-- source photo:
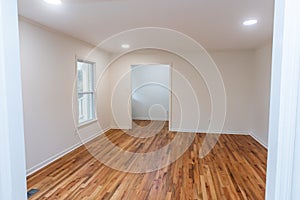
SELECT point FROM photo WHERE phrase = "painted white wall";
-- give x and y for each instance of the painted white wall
(236, 68)
(150, 92)
(183, 116)
(48, 74)
(247, 76)
(12, 150)
(261, 101)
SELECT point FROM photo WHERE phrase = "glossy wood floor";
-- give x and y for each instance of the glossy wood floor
(234, 169)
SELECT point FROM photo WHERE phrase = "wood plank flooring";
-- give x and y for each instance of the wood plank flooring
(234, 169)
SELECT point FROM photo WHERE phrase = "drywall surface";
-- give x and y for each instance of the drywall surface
(237, 69)
(185, 109)
(150, 86)
(48, 72)
(189, 91)
(262, 81)
(247, 76)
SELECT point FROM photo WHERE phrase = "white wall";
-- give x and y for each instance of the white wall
(48, 74)
(150, 92)
(236, 68)
(247, 77)
(184, 116)
(261, 102)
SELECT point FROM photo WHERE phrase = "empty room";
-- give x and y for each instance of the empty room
(140, 99)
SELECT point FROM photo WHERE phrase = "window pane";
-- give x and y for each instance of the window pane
(85, 107)
(85, 91)
(85, 77)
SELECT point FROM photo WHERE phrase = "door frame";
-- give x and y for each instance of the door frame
(284, 105)
(12, 145)
(170, 87)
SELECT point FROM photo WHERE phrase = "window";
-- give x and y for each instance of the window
(85, 91)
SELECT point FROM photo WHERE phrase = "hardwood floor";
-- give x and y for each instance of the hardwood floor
(234, 169)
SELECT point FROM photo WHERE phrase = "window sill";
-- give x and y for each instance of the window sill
(86, 123)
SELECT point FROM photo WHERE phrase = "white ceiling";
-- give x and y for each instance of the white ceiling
(216, 24)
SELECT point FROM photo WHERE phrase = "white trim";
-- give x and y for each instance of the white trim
(284, 96)
(12, 148)
(51, 159)
(87, 123)
(94, 67)
(63, 153)
(170, 66)
(121, 127)
(258, 140)
(152, 119)
(231, 132)
(227, 132)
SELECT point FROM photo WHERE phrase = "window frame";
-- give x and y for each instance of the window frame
(93, 92)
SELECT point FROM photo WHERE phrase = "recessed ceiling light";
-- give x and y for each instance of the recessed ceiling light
(250, 22)
(53, 2)
(125, 46)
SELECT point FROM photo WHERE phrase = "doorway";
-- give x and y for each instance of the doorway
(150, 92)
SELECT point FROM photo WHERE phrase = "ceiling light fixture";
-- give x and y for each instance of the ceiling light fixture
(250, 22)
(53, 2)
(125, 46)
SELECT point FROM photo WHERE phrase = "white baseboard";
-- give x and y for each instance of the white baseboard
(229, 132)
(258, 140)
(121, 128)
(64, 152)
(152, 119)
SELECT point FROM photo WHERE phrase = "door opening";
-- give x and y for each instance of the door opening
(150, 92)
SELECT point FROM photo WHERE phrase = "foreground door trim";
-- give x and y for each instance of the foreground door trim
(284, 104)
(12, 150)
